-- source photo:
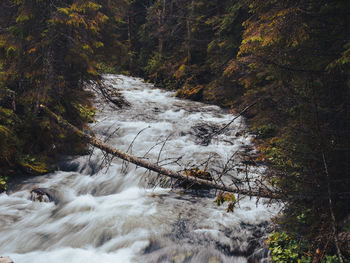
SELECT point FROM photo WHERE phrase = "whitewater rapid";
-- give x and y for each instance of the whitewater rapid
(120, 213)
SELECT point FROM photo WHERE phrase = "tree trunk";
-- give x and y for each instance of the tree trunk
(189, 30)
(161, 27)
(188, 25)
(130, 41)
(154, 167)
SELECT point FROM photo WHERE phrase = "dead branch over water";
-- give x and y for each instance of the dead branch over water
(258, 192)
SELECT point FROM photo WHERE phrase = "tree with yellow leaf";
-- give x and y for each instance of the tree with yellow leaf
(294, 56)
(48, 51)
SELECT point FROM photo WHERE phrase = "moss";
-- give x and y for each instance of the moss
(191, 92)
(35, 167)
(3, 183)
(181, 257)
(180, 72)
(285, 248)
(265, 131)
(202, 174)
(226, 198)
(86, 112)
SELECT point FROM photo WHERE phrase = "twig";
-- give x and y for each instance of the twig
(152, 166)
(235, 118)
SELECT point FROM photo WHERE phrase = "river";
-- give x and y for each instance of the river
(120, 213)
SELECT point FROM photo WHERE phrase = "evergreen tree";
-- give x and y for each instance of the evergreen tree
(295, 63)
(48, 51)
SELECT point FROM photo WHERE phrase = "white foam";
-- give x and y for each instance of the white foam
(108, 215)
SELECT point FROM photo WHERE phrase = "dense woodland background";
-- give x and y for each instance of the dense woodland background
(291, 59)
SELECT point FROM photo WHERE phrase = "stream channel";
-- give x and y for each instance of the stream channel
(120, 213)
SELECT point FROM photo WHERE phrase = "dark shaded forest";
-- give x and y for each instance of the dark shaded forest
(289, 59)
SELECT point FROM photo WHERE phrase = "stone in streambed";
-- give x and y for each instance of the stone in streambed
(262, 255)
(5, 260)
(43, 195)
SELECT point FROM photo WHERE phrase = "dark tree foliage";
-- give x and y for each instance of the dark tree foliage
(296, 63)
(186, 44)
(48, 51)
(292, 58)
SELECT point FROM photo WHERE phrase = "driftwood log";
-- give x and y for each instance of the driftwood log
(154, 167)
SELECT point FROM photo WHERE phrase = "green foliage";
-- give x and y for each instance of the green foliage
(330, 259)
(300, 120)
(154, 64)
(183, 43)
(3, 183)
(49, 65)
(291, 57)
(265, 131)
(106, 69)
(346, 227)
(32, 165)
(190, 92)
(86, 113)
(199, 173)
(9, 141)
(226, 197)
(284, 249)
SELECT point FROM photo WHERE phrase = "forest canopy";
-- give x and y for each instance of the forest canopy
(291, 59)
(48, 51)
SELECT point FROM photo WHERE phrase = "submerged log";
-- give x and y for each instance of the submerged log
(183, 176)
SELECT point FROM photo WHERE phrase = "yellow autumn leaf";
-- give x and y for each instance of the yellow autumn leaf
(31, 50)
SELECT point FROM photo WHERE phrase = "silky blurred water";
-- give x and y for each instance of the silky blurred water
(115, 213)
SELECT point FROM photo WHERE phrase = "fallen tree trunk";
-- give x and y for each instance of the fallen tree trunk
(154, 167)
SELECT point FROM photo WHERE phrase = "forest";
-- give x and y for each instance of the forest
(287, 61)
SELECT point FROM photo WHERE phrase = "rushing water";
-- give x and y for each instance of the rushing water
(113, 214)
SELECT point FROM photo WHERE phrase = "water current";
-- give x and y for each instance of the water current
(119, 213)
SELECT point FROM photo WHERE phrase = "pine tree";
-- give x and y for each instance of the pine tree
(294, 57)
(49, 50)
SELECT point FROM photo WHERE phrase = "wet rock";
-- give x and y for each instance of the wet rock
(182, 229)
(112, 95)
(257, 250)
(90, 168)
(5, 260)
(214, 260)
(204, 133)
(43, 195)
(262, 255)
(153, 246)
(238, 134)
(181, 257)
(68, 165)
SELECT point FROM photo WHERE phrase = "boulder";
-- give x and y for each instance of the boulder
(5, 260)
(43, 195)
(262, 255)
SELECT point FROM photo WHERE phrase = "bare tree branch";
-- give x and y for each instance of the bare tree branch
(152, 166)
